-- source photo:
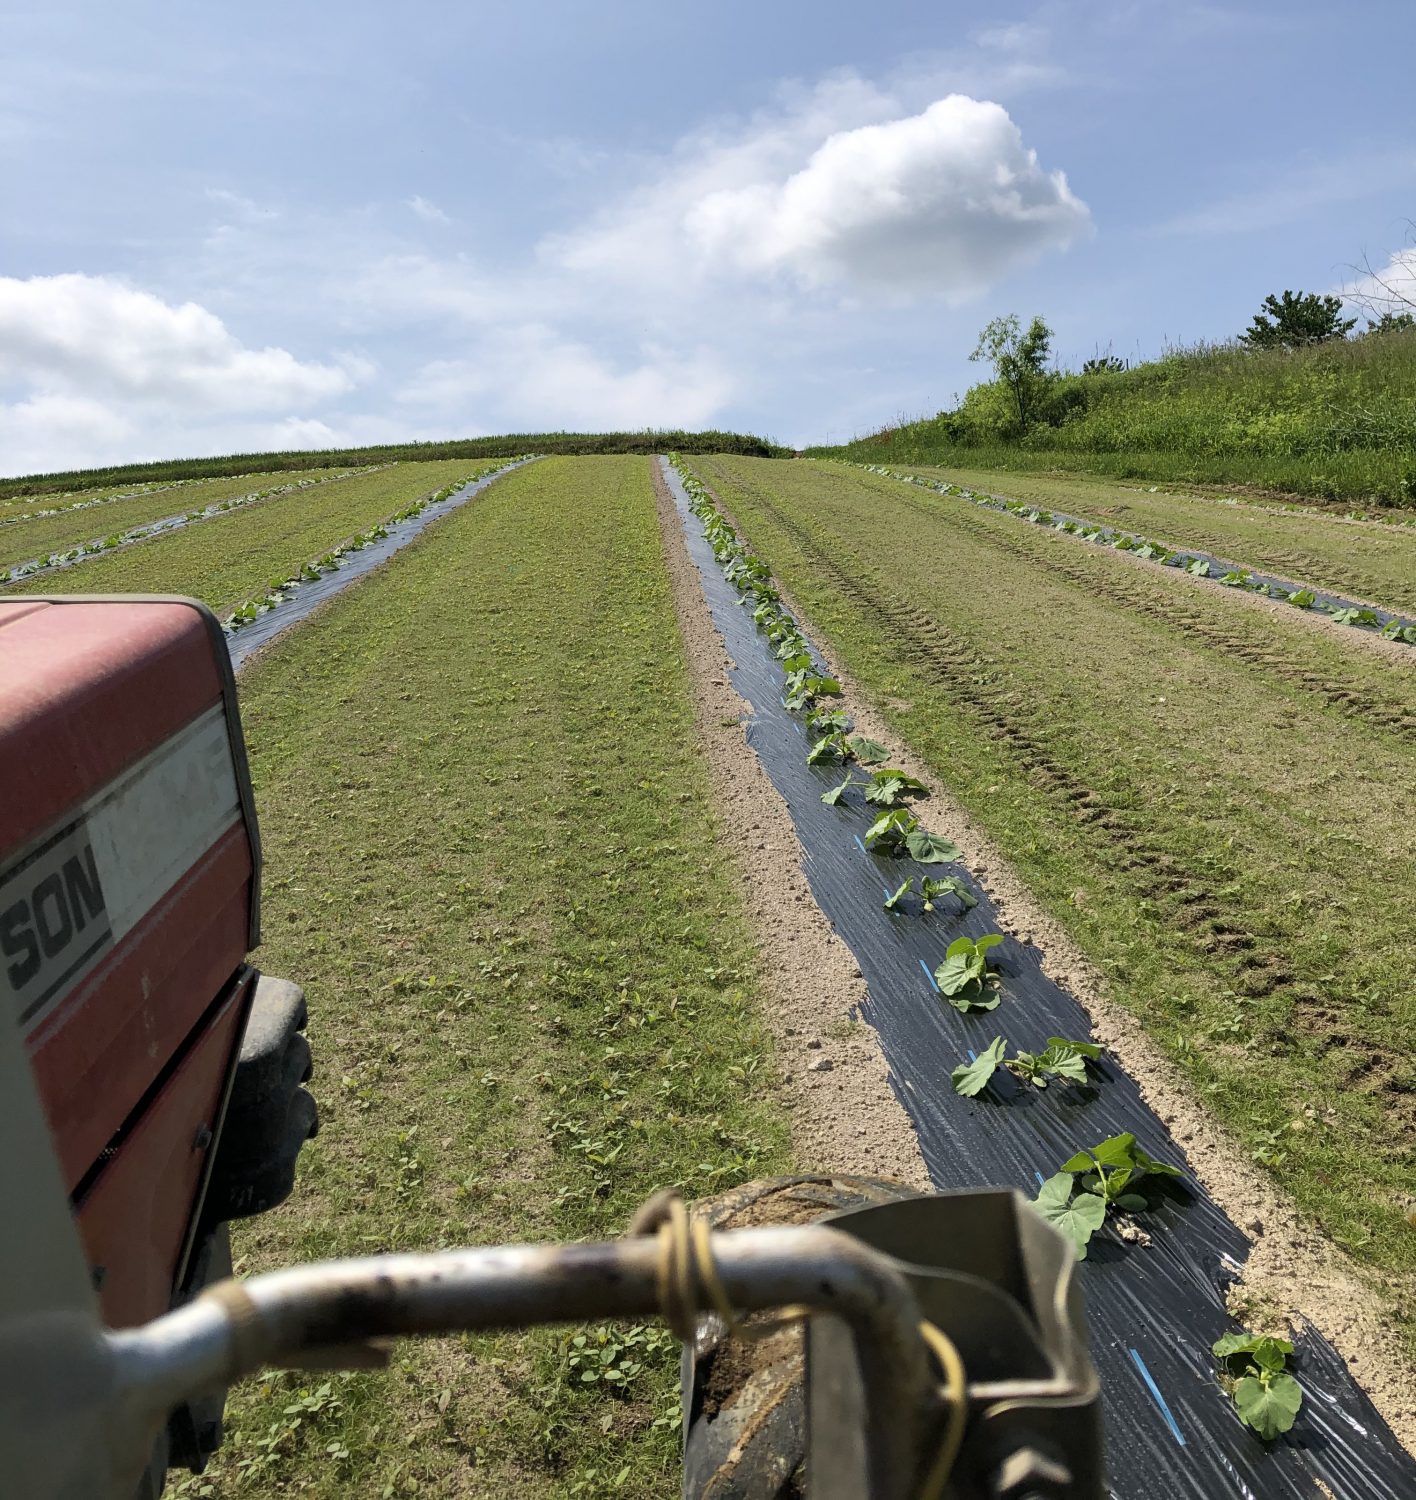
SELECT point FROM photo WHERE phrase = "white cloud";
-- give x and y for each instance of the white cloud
(92, 335)
(1388, 288)
(843, 190)
(940, 203)
(94, 367)
(426, 210)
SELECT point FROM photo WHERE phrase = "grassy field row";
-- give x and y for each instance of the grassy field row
(1231, 847)
(1362, 560)
(490, 860)
(231, 558)
(39, 536)
(1376, 690)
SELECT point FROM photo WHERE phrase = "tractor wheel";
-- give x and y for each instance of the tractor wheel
(744, 1403)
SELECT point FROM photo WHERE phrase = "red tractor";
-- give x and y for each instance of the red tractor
(153, 1090)
(171, 1072)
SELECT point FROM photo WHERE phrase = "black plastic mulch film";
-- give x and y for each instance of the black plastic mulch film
(1153, 1312)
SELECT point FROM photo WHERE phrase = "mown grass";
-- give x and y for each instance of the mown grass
(491, 861)
(1230, 846)
(1332, 420)
(38, 536)
(230, 558)
(1365, 560)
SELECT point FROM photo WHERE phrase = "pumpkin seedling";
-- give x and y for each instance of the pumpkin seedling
(1254, 1369)
(965, 978)
(1077, 1198)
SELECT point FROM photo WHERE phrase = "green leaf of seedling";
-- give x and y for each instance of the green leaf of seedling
(1064, 1063)
(867, 751)
(828, 747)
(1085, 1049)
(890, 830)
(930, 849)
(1131, 1203)
(887, 787)
(1114, 1151)
(1077, 1215)
(946, 885)
(1264, 1349)
(971, 1078)
(883, 790)
(1268, 1404)
(801, 662)
(1028, 1066)
(892, 902)
(832, 797)
(975, 997)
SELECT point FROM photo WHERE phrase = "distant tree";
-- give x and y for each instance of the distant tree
(1019, 359)
(1297, 319)
(1103, 364)
(1390, 322)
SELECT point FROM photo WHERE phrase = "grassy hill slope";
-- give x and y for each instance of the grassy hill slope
(1333, 421)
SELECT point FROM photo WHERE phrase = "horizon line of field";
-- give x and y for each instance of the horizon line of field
(1185, 560)
(913, 1048)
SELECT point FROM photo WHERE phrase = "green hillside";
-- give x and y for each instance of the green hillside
(1336, 420)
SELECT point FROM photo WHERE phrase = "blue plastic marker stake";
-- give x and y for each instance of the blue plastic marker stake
(1160, 1400)
(861, 847)
(1039, 1177)
(929, 975)
(888, 891)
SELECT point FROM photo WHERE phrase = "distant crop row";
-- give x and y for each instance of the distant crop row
(1389, 627)
(1108, 1182)
(99, 545)
(331, 561)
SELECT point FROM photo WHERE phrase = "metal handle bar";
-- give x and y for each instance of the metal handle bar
(237, 1327)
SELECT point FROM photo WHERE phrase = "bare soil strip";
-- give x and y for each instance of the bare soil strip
(845, 1116)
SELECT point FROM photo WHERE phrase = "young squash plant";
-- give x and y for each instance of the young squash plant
(965, 978)
(1103, 1179)
(897, 832)
(1254, 1369)
(1061, 1058)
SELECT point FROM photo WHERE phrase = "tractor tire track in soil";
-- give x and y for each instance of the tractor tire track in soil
(1206, 623)
(1152, 1309)
(1182, 896)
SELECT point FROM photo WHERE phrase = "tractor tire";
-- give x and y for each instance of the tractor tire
(744, 1400)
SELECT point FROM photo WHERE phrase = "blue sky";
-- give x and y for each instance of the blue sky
(309, 224)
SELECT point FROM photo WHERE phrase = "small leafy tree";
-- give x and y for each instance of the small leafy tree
(1018, 358)
(1297, 319)
(1103, 364)
(1390, 322)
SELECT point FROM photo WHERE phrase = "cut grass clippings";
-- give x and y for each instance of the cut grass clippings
(491, 860)
(1228, 844)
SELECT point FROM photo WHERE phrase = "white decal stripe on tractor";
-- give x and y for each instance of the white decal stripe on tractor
(153, 824)
(81, 888)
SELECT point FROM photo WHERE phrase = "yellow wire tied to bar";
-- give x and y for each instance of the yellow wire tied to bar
(686, 1269)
